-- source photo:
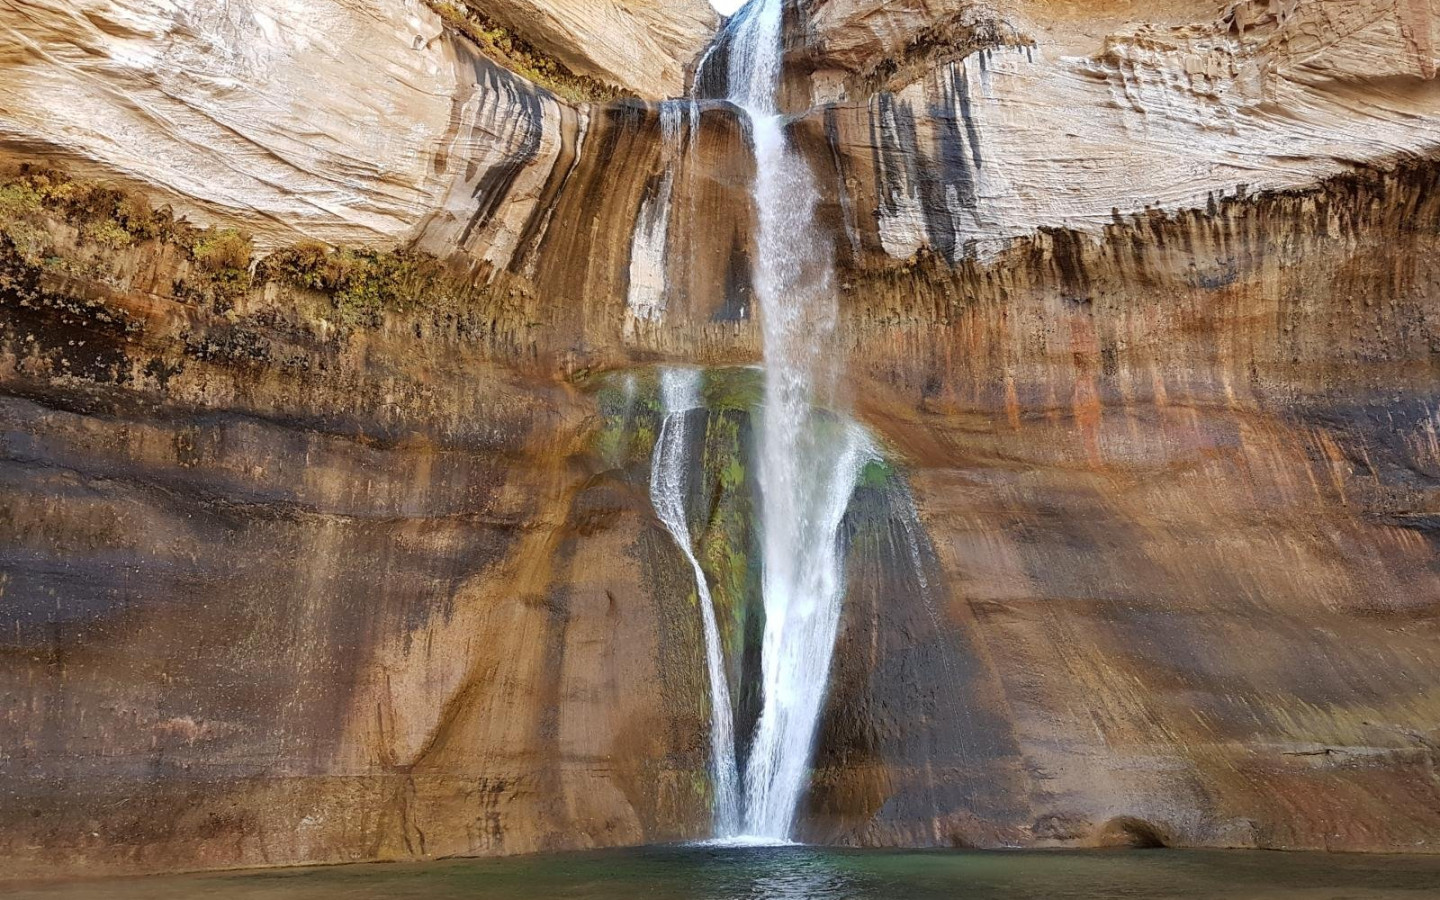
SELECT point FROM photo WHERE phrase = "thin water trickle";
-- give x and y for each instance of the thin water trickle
(679, 394)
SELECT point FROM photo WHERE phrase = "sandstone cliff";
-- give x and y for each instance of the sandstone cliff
(341, 120)
(346, 554)
(644, 46)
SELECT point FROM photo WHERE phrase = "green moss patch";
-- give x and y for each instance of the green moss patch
(876, 475)
(737, 388)
(629, 406)
(38, 202)
(362, 284)
(39, 206)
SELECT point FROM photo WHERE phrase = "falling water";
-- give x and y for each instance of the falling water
(804, 497)
(809, 459)
(680, 393)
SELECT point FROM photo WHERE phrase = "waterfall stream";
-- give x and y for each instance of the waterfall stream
(808, 462)
(808, 458)
(679, 394)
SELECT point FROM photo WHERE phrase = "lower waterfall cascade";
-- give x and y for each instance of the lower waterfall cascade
(679, 394)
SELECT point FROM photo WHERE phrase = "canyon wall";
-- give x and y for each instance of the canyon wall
(317, 554)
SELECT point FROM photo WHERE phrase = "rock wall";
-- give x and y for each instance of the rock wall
(343, 120)
(287, 585)
(1179, 498)
(643, 46)
(347, 554)
(988, 145)
(322, 119)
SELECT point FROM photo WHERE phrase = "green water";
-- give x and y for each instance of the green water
(701, 873)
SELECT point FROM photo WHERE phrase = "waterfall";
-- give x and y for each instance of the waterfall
(808, 459)
(755, 59)
(679, 394)
(804, 497)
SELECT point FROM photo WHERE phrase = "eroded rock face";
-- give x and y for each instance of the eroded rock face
(1177, 493)
(345, 121)
(298, 574)
(318, 592)
(318, 118)
(641, 45)
(996, 143)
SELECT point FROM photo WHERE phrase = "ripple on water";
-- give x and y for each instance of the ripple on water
(779, 872)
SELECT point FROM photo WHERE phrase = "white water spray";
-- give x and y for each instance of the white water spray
(680, 393)
(804, 499)
(809, 459)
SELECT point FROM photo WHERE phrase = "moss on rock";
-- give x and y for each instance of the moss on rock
(362, 284)
(507, 49)
(77, 227)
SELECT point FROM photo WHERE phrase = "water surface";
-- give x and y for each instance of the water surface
(792, 873)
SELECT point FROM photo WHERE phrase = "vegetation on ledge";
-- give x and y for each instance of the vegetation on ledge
(39, 206)
(32, 196)
(506, 49)
(362, 284)
(53, 223)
